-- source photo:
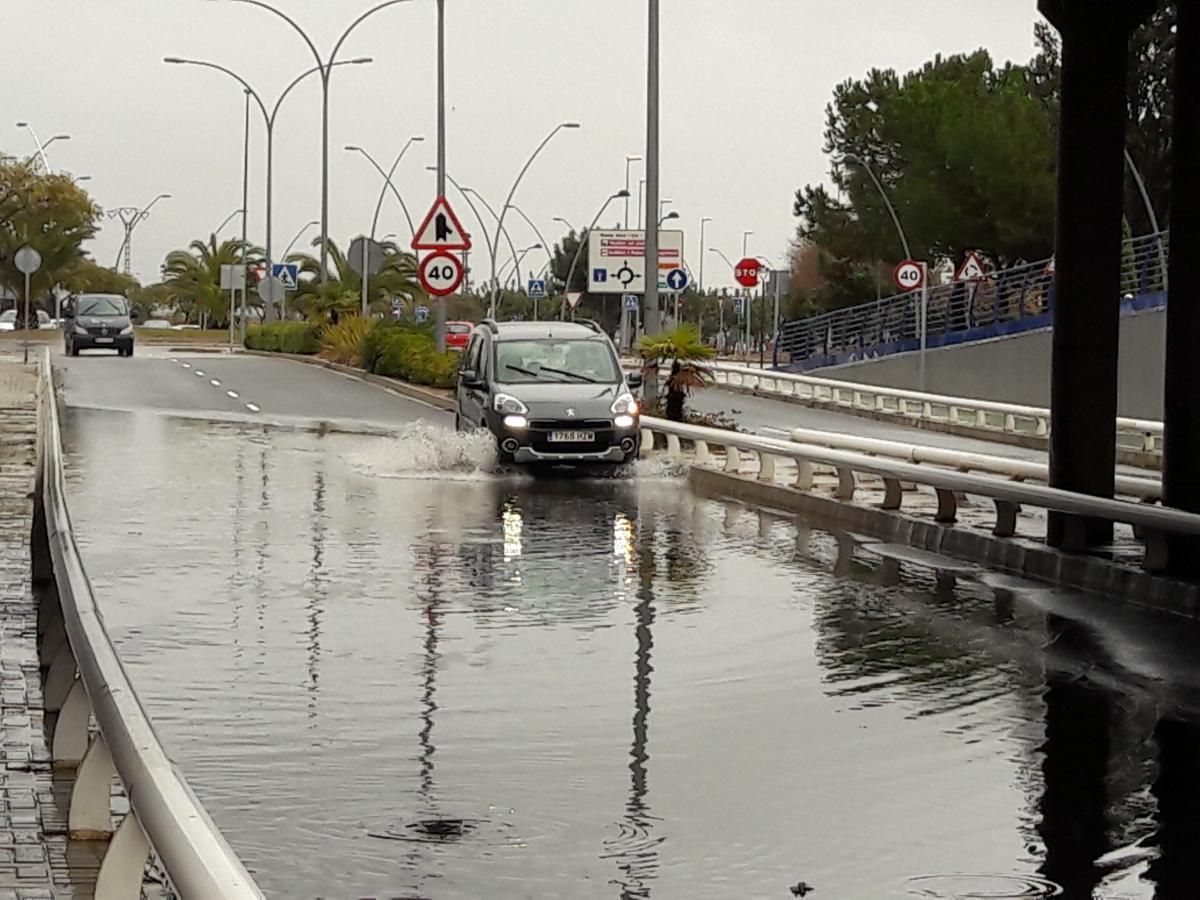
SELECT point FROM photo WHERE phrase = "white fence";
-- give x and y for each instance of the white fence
(1007, 496)
(86, 682)
(981, 415)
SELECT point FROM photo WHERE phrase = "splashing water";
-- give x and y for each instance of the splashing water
(421, 449)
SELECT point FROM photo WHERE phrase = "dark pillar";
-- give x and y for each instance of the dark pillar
(1181, 405)
(1075, 755)
(1176, 872)
(1091, 178)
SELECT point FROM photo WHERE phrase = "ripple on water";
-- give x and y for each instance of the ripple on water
(982, 887)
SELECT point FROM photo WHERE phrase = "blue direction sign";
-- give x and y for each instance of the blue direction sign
(631, 302)
(677, 280)
(422, 314)
(537, 288)
(738, 303)
(288, 274)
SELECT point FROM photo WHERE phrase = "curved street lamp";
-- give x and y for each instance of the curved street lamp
(229, 218)
(388, 183)
(528, 221)
(516, 272)
(299, 234)
(41, 147)
(512, 193)
(671, 215)
(269, 118)
(325, 67)
(500, 229)
(856, 160)
(570, 227)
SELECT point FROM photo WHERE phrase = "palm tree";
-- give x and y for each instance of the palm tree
(194, 277)
(341, 294)
(684, 349)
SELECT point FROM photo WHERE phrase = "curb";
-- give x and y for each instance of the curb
(1025, 558)
(440, 399)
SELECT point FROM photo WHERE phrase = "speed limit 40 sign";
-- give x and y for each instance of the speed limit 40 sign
(909, 275)
(441, 273)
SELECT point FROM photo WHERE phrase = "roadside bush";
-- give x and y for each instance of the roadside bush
(284, 337)
(345, 342)
(411, 356)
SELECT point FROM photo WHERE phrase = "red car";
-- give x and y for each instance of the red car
(458, 335)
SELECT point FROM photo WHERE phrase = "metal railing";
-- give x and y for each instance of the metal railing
(1007, 301)
(984, 416)
(1151, 523)
(87, 682)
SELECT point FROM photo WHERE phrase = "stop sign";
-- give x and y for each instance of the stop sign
(746, 272)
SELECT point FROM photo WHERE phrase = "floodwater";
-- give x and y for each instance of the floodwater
(391, 672)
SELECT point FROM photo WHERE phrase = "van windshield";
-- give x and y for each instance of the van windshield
(583, 361)
(100, 306)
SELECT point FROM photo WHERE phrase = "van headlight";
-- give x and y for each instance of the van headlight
(128, 329)
(625, 405)
(624, 421)
(509, 405)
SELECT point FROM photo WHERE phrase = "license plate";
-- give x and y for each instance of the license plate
(572, 437)
(104, 340)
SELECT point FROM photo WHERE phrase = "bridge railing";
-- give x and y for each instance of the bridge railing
(984, 416)
(1006, 301)
(86, 682)
(1007, 495)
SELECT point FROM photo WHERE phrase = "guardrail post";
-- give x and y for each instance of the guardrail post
(766, 467)
(124, 865)
(701, 451)
(674, 451)
(647, 443)
(1010, 423)
(1006, 518)
(70, 742)
(893, 494)
(846, 484)
(804, 475)
(90, 816)
(733, 462)
(59, 678)
(947, 511)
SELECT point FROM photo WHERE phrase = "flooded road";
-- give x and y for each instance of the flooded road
(389, 672)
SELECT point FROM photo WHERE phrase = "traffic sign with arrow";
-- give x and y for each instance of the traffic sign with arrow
(441, 230)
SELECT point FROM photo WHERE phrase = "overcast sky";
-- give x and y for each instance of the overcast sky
(744, 88)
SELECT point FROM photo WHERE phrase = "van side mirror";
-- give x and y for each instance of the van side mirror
(634, 380)
(468, 378)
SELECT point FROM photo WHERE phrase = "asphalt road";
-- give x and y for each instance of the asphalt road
(217, 385)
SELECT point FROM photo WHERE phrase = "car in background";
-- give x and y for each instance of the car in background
(98, 322)
(156, 323)
(458, 335)
(550, 392)
(8, 320)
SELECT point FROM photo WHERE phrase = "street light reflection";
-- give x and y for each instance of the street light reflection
(623, 535)
(514, 528)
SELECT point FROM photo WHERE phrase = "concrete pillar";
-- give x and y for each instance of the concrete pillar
(1091, 172)
(1181, 376)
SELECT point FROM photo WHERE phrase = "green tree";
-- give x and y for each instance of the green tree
(686, 353)
(341, 294)
(194, 278)
(965, 152)
(49, 213)
(86, 276)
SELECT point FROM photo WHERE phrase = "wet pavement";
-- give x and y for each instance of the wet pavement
(389, 672)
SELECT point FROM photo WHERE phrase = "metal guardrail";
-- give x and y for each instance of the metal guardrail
(87, 681)
(1004, 302)
(1150, 522)
(982, 415)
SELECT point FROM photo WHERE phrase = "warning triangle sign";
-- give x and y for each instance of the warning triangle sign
(441, 230)
(573, 298)
(971, 269)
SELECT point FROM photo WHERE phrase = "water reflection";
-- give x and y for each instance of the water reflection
(316, 599)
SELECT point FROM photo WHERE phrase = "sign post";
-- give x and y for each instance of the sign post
(366, 257)
(27, 261)
(442, 233)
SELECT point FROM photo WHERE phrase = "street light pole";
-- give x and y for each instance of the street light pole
(579, 249)
(474, 209)
(229, 218)
(508, 201)
(629, 159)
(299, 234)
(653, 325)
(388, 183)
(499, 229)
(41, 147)
(245, 222)
(1141, 186)
(857, 160)
(269, 118)
(703, 221)
(528, 221)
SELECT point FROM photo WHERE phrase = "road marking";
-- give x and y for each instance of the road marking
(215, 383)
(199, 374)
(233, 394)
(252, 407)
(174, 360)
(187, 365)
(776, 430)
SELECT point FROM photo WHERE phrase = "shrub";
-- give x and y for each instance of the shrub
(345, 342)
(411, 356)
(284, 337)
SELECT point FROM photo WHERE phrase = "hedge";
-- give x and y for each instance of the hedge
(284, 337)
(391, 349)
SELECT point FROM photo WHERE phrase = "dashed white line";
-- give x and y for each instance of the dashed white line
(215, 383)
(776, 430)
(186, 365)
(233, 394)
(252, 407)
(199, 374)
